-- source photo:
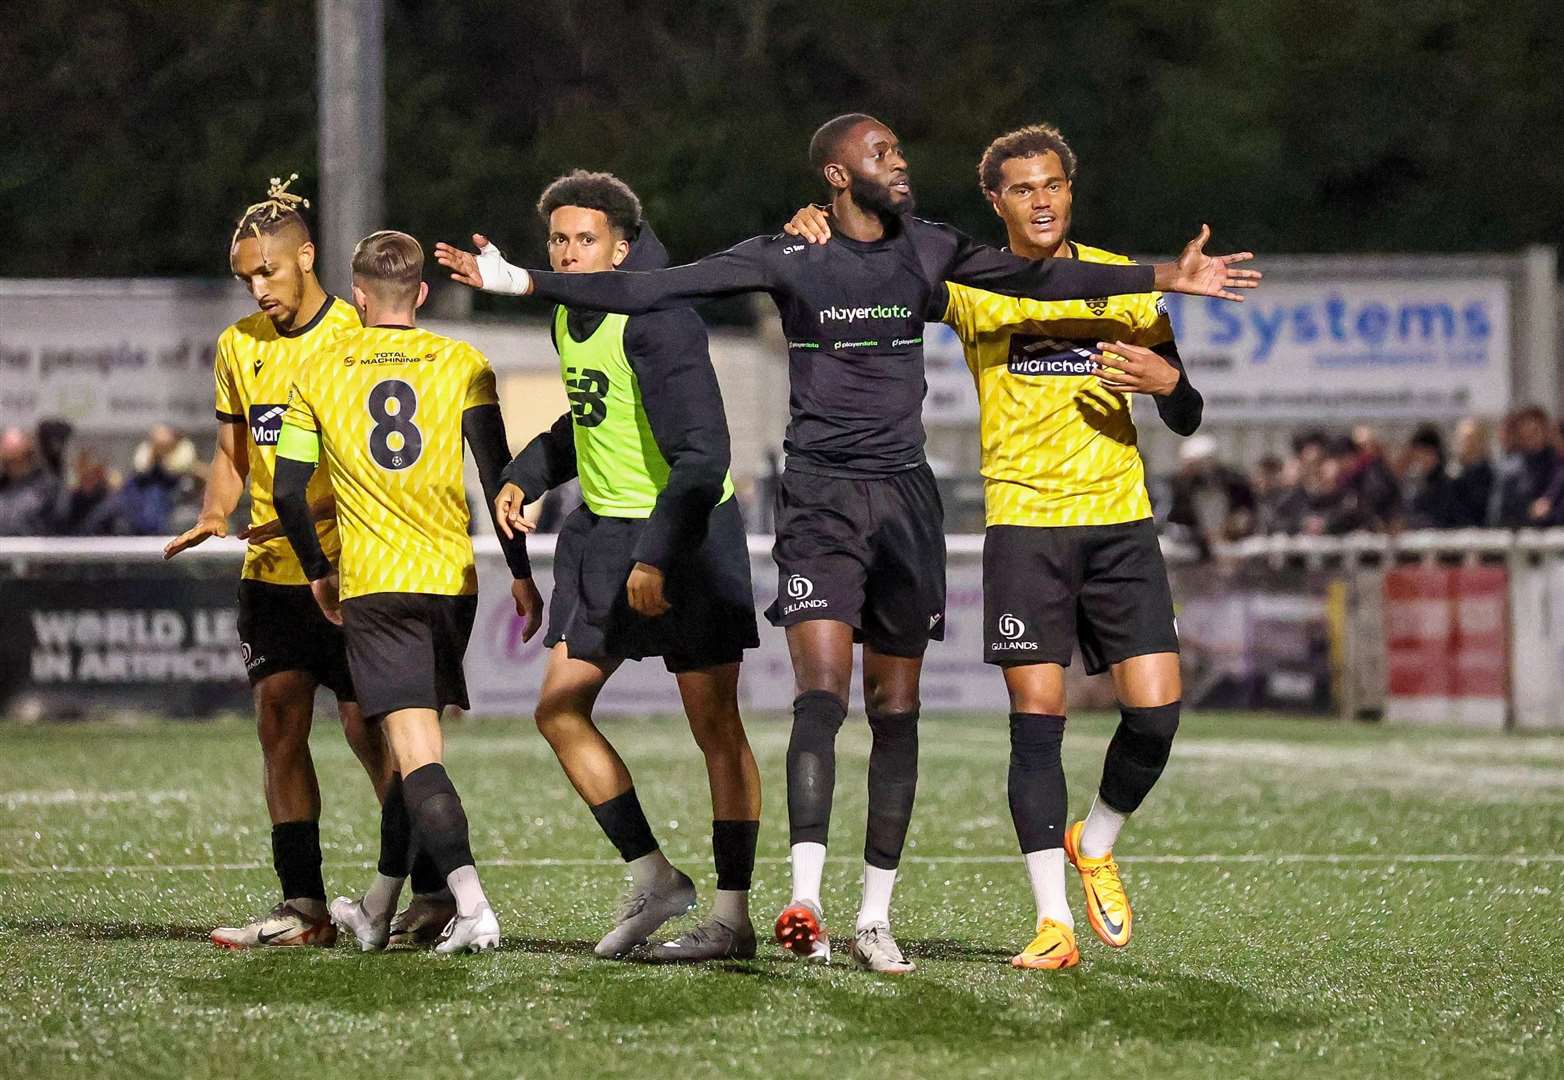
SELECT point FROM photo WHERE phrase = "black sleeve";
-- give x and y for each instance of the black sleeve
(740, 269)
(1182, 409)
(290, 481)
(546, 462)
(959, 258)
(484, 429)
(683, 404)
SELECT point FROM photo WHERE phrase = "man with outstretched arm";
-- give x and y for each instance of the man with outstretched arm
(653, 563)
(860, 546)
(1071, 552)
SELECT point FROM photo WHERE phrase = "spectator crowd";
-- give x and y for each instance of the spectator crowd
(1329, 484)
(47, 488)
(1332, 484)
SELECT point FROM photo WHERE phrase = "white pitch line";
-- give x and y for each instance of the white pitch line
(1250, 859)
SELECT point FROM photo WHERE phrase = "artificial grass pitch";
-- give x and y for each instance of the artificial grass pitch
(1311, 900)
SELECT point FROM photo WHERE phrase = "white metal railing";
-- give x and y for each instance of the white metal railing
(79, 549)
(1422, 544)
(1353, 547)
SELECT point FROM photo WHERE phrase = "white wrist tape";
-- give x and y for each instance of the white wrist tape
(500, 276)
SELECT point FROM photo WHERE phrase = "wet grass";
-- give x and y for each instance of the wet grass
(111, 837)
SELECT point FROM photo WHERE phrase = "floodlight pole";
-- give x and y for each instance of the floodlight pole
(351, 60)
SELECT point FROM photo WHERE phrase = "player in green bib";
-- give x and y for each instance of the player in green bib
(654, 563)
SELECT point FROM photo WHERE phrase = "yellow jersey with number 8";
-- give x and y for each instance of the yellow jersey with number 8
(388, 403)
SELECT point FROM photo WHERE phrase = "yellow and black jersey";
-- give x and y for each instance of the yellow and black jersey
(256, 364)
(1058, 448)
(387, 403)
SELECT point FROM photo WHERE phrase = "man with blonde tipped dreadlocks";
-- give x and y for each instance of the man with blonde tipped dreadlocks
(288, 646)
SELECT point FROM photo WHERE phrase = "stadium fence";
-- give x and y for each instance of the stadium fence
(1449, 627)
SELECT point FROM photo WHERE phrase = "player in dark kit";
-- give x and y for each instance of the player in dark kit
(1071, 552)
(653, 563)
(860, 544)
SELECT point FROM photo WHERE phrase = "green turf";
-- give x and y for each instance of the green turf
(1363, 968)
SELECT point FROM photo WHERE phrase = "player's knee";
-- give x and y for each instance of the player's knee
(1035, 741)
(282, 723)
(822, 674)
(438, 816)
(817, 717)
(1037, 697)
(559, 716)
(889, 699)
(1137, 755)
(1151, 728)
(721, 735)
(895, 741)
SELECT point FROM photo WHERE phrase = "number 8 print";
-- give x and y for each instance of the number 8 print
(395, 442)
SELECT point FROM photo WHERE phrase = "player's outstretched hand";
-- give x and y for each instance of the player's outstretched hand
(529, 606)
(204, 528)
(486, 270)
(463, 265)
(1134, 369)
(812, 222)
(645, 590)
(1200, 274)
(507, 511)
(328, 595)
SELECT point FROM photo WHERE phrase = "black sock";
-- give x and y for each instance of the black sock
(811, 764)
(1037, 794)
(296, 858)
(426, 876)
(439, 822)
(624, 823)
(733, 850)
(893, 784)
(396, 830)
(1137, 755)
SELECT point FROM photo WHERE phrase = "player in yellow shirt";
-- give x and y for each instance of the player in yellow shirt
(1071, 551)
(389, 405)
(288, 647)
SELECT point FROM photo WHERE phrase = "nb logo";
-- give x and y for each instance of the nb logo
(799, 587)
(586, 388)
(1010, 627)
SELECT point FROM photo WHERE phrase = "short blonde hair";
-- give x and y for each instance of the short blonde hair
(389, 264)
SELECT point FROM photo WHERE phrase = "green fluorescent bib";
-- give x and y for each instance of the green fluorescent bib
(620, 468)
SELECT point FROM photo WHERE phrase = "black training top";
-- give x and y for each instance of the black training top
(853, 313)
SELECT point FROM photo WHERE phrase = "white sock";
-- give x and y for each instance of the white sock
(1101, 830)
(463, 882)
(308, 906)
(877, 887)
(650, 869)
(808, 868)
(731, 908)
(380, 899)
(1046, 871)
